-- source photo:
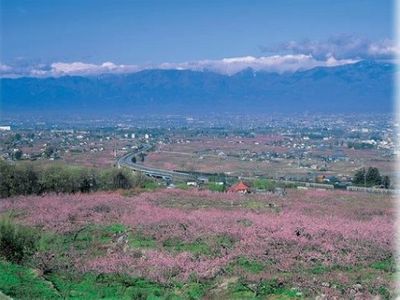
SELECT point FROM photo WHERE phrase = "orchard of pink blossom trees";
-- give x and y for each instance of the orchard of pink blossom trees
(174, 235)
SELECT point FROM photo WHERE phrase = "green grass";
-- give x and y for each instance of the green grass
(210, 246)
(138, 240)
(93, 236)
(262, 290)
(321, 269)
(22, 283)
(151, 186)
(365, 275)
(240, 290)
(272, 287)
(384, 292)
(246, 264)
(115, 228)
(191, 290)
(198, 247)
(387, 265)
(90, 238)
(108, 286)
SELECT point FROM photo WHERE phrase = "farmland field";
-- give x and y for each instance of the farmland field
(249, 156)
(191, 244)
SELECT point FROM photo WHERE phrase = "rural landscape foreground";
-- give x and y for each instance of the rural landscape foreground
(190, 150)
(255, 208)
(177, 244)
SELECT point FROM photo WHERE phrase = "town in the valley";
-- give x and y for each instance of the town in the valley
(322, 151)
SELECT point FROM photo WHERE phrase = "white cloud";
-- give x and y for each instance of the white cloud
(5, 68)
(6, 71)
(275, 63)
(228, 66)
(384, 49)
(341, 47)
(80, 68)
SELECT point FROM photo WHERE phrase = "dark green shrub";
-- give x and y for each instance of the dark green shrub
(17, 242)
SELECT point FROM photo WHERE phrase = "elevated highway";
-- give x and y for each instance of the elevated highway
(126, 161)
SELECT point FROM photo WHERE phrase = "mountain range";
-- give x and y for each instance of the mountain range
(366, 86)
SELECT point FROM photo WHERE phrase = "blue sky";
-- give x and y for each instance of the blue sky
(158, 31)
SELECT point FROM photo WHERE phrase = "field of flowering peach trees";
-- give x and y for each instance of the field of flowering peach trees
(194, 244)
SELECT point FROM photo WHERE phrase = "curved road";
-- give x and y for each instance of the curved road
(126, 161)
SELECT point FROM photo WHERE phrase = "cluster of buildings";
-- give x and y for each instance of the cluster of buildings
(323, 149)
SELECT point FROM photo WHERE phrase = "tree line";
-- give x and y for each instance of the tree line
(30, 179)
(371, 177)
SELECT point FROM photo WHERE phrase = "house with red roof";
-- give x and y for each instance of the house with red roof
(239, 187)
